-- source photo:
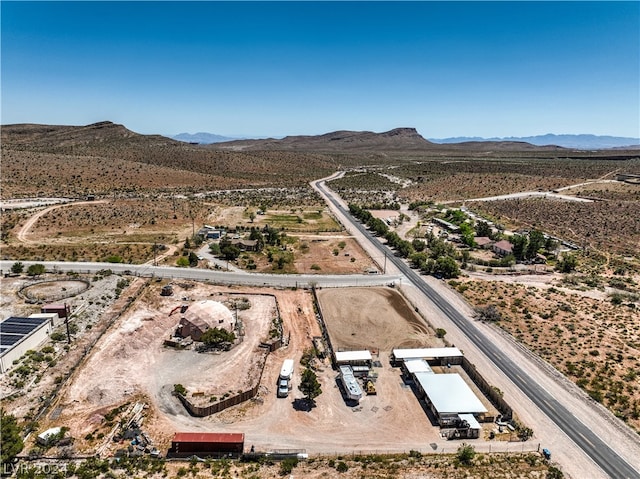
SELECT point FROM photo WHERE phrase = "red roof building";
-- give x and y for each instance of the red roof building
(203, 444)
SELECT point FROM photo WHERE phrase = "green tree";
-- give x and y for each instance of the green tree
(214, 249)
(230, 252)
(35, 270)
(17, 267)
(466, 453)
(519, 243)
(440, 333)
(447, 267)
(568, 263)
(216, 337)
(309, 385)
(193, 259)
(536, 242)
(182, 261)
(11, 439)
(418, 245)
(483, 229)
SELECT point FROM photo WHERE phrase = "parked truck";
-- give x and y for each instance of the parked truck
(284, 379)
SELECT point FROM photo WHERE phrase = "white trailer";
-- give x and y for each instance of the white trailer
(286, 371)
(351, 387)
(284, 380)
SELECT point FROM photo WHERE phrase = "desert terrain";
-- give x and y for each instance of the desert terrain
(584, 323)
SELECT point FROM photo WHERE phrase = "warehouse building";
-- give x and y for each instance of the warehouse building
(18, 335)
(441, 356)
(207, 444)
(448, 397)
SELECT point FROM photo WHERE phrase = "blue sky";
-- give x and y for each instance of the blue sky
(271, 69)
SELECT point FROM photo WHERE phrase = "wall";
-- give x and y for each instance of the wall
(30, 342)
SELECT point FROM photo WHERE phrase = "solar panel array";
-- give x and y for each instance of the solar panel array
(13, 330)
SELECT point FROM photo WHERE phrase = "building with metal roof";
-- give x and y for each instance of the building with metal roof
(413, 366)
(441, 355)
(207, 444)
(448, 396)
(18, 335)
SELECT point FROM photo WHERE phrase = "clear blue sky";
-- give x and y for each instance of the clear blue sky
(271, 69)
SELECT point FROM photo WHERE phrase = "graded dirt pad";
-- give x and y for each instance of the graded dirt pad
(372, 318)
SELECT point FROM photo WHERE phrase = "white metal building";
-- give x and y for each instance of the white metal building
(448, 396)
(443, 355)
(18, 335)
(53, 318)
(413, 366)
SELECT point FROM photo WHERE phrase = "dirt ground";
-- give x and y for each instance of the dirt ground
(130, 364)
(372, 318)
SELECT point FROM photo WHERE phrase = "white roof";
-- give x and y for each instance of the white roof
(287, 368)
(350, 383)
(417, 366)
(471, 420)
(50, 432)
(353, 356)
(426, 353)
(449, 394)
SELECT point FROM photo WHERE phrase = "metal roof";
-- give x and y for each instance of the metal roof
(14, 329)
(449, 394)
(353, 356)
(426, 353)
(213, 437)
(417, 366)
(471, 420)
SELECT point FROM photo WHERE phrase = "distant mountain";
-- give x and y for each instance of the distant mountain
(396, 139)
(202, 138)
(580, 142)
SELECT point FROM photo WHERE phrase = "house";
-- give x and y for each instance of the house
(503, 248)
(245, 245)
(483, 242)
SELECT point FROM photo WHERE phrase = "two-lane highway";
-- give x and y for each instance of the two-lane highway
(599, 451)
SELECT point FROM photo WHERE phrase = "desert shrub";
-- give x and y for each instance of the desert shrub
(286, 466)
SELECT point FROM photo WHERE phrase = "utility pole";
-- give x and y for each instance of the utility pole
(384, 270)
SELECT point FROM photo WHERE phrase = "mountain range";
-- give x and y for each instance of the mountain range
(202, 138)
(352, 138)
(580, 142)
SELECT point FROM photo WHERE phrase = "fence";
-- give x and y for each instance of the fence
(494, 395)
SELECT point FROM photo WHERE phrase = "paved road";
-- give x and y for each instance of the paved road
(604, 456)
(246, 279)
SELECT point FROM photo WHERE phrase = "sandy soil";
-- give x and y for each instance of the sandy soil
(372, 318)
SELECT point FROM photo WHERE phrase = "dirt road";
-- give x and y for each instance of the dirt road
(22, 235)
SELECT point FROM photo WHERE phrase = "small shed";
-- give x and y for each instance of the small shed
(44, 438)
(62, 310)
(207, 444)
